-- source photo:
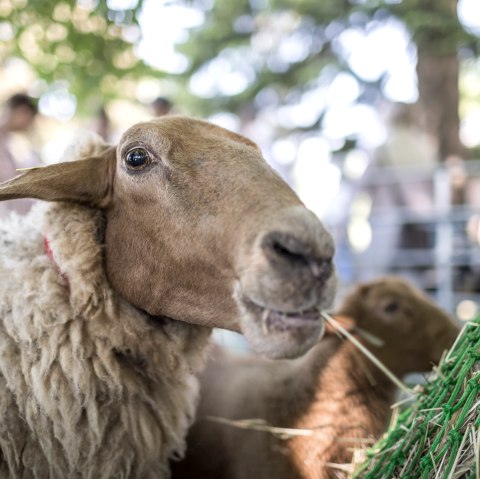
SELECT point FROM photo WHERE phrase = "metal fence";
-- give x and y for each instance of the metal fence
(434, 243)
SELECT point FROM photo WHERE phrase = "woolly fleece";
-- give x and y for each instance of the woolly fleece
(90, 387)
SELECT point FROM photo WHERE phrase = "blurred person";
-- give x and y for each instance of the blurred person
(402, 207)
(161, 106)
(17, 120)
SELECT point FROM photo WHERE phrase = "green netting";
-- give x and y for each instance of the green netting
(439, 435)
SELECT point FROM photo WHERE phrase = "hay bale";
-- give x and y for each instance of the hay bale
(439, 435)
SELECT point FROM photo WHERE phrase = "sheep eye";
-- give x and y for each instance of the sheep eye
(137, 159)
(392, 307)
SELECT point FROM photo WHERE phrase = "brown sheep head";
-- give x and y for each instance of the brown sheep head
(415, 331)
(200, 229)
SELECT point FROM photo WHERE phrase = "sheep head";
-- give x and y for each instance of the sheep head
(415, 332)
(200, 229)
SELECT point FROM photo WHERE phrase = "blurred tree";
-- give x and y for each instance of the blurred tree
(84, 43)
(248, 54)
(283, 49)
(438, 35)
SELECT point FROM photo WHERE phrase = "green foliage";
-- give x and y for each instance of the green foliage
(92, 46)
(82, 42)
(434, 24)
(241, 24)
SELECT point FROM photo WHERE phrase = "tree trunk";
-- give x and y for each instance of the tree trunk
(437, 71)
(438, 100)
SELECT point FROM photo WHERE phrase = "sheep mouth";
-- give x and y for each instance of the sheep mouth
(277, 320)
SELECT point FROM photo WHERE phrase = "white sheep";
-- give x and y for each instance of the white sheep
(333, 396)
(107, 298)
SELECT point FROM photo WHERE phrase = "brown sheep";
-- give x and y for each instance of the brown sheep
(333, 390)
(108, 297)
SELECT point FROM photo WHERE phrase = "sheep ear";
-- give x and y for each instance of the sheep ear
(88, 181)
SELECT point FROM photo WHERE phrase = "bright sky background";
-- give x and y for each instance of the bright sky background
(163, 25)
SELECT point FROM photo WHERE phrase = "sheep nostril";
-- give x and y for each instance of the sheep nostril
(285, 247)
(293, 252)
(284, 252)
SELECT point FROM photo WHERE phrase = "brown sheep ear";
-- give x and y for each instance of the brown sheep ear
(88, 181)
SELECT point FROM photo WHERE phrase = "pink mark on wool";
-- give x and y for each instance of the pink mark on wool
(49, 253)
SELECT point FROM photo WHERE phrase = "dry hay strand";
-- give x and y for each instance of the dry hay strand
(438, 436)
(344, 332)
